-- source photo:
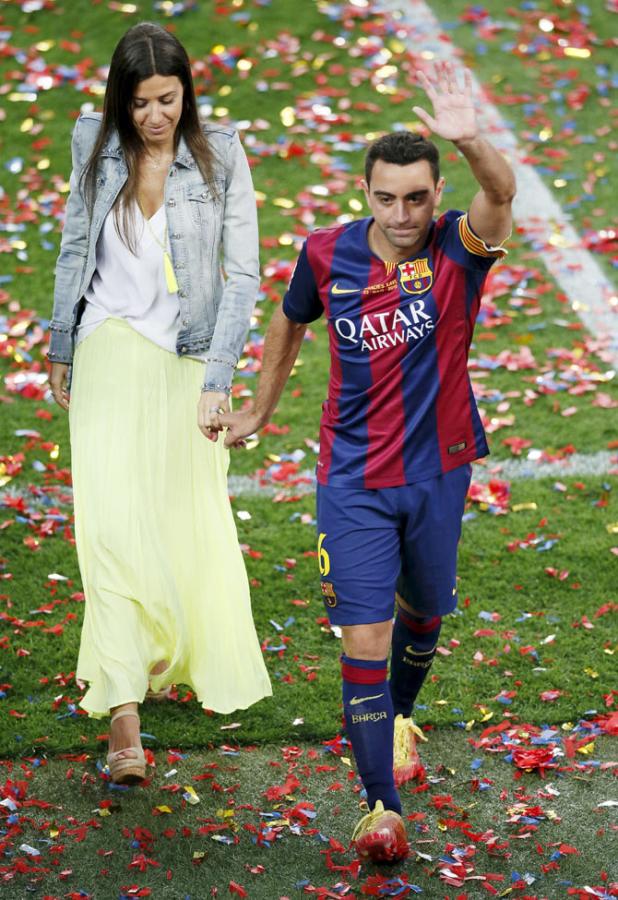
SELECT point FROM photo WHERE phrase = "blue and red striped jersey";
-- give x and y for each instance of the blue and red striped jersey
(400, 406)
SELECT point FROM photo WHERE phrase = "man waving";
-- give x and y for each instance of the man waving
(401, 290)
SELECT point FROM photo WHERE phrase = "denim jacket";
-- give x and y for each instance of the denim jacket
(205, 232)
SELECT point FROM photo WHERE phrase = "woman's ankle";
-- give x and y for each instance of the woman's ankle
(125, 729)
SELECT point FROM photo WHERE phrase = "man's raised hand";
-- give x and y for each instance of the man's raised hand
(454, 116)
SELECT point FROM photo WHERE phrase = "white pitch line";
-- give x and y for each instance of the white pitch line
(604, 463)
(577, 465)
(590, 293)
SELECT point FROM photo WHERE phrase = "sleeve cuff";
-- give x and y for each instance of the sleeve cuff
(60, 343)
(218, 375)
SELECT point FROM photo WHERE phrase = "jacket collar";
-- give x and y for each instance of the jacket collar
(112, 147)
(183, 154)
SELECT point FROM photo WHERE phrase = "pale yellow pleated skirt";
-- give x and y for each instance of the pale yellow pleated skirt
(158, 551)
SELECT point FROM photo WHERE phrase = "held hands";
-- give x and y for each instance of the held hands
(454, 116)
(211, 406)
(58, 378)
(239, 426)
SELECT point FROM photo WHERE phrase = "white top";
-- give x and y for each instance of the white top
(132, 286)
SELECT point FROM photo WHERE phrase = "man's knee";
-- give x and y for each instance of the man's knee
(370, 641)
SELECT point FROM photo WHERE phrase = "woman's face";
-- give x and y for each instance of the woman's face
(156, 109)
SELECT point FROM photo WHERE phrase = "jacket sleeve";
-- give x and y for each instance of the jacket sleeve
(242, 272)
(72, 258)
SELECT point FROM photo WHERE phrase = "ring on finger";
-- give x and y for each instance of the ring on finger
(216, 409)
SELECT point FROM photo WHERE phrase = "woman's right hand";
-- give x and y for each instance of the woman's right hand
(58, 378)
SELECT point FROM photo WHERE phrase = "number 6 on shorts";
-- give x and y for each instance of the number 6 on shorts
(323, 557)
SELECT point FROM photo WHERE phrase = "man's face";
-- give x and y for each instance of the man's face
(402, 200)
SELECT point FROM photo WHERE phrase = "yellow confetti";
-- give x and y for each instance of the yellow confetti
(284, 203)
(123, 7)
(190, 795)
(587, 749)
(577, 52)
(558, 240)
(22, 98)
(612, 528)
(386, 71)
(54, 453)
(163, 809)
(199, 854)
(26, 125)
(103, 813)
(591, 672)
(519, 507)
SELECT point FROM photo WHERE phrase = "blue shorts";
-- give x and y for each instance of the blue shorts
(372, 543)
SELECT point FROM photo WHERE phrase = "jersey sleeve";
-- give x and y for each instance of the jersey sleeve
(460, 242)
(301, 302)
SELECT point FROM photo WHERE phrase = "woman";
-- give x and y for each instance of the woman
(157, 201)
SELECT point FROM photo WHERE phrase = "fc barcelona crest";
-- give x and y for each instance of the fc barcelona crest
(415, 276)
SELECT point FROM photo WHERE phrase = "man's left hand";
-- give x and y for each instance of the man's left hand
(454, 116)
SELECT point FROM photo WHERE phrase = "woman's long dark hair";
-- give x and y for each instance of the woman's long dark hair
(145, 50)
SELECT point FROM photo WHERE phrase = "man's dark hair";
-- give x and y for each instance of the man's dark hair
(402, 148)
